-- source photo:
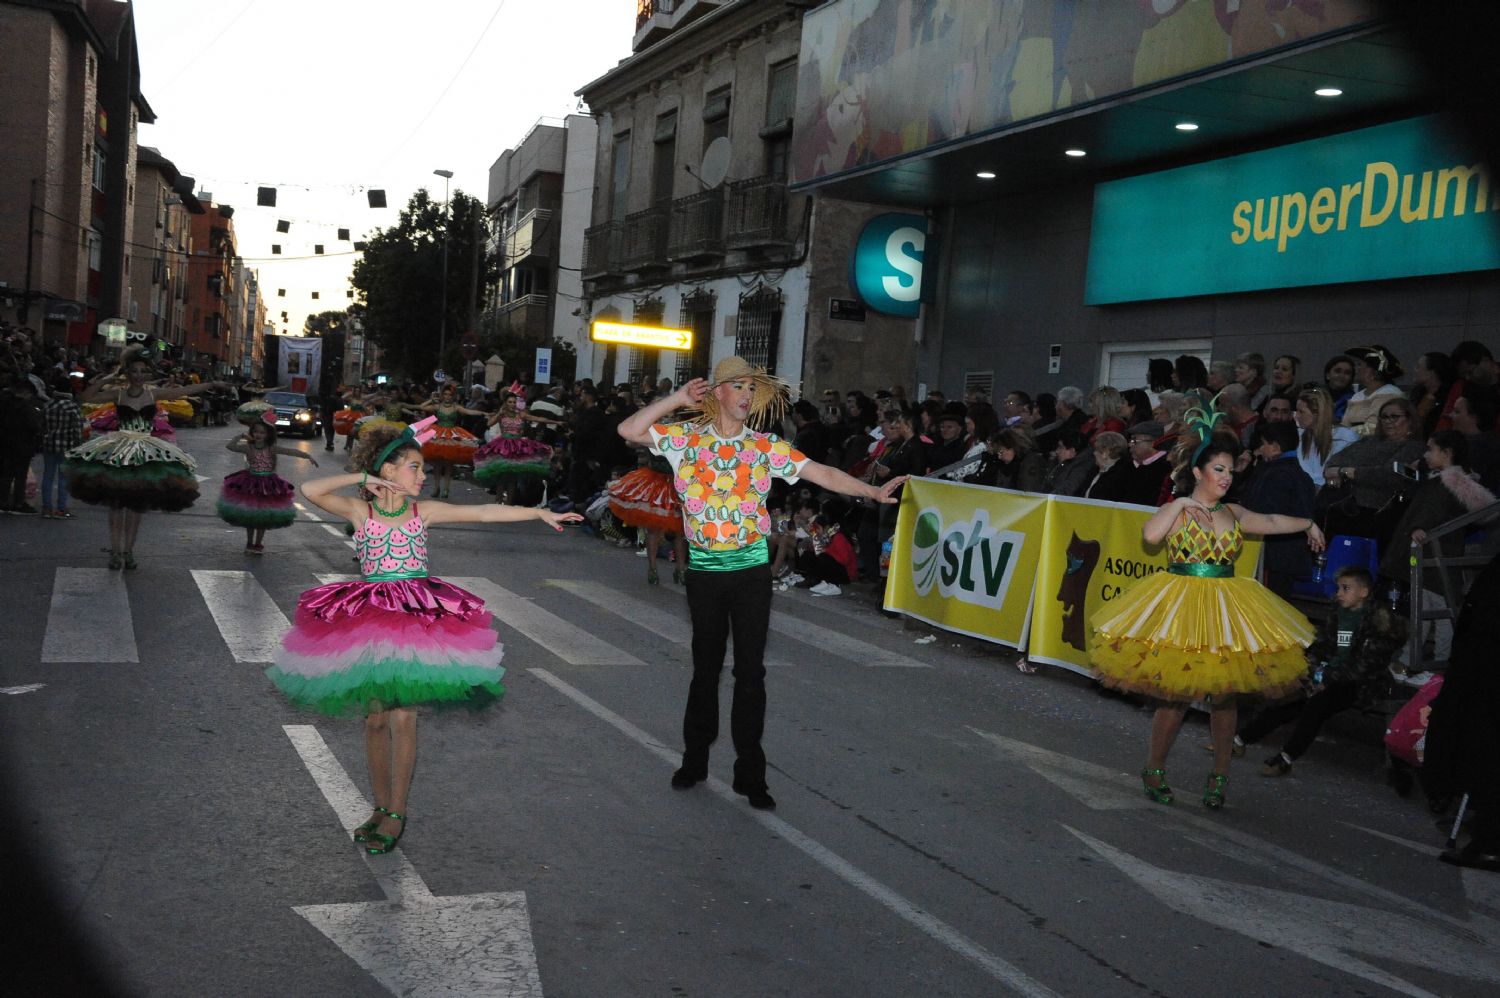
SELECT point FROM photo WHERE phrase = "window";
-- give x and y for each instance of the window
(619, 176)
(664, 158)
(757, 336)
(715, 115)
(644, 362)
(781, 92)
(778, 155)
(99, 168)
(698, 315)
(95, 241)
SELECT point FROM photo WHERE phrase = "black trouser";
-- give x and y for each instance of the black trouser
(1309, 715)
(328, 430)
(721, 603)
(584, 479)
(824, 567)
(13, 479)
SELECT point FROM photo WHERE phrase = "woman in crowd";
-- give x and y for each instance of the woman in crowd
(1196, 631)
(1072, 468)
(1359, 497)
(1135, 406)
(1105, 409)
(1018, 465)
(1473, 412)
(1111, 481)
(1250, 371)
(1338, 378)
(1284, 377)
(1159, 375)
(1376, 370)
(1189, 374)
(1319, 439)
(1431, 383)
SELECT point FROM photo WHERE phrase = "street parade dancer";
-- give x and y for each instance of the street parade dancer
(398, 638)
(645, 499)
(722, 471)
(1197, 632)
(511, 458)
(451, 444)
(255, 497)
(130, 470)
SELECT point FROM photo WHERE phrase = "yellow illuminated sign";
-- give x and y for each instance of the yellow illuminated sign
(641, 336)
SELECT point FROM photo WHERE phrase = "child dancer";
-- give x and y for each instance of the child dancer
(257, 498)
(398, 638)
(1196, 631)
(645, 498)
(451, 444)
(130, 470)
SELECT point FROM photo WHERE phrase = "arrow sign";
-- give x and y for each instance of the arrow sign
(664, 338)
(413, 942)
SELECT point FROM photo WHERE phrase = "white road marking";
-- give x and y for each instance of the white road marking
(1001, 970)
(1329, 932)
(415, 943)
(28, 688)
(89, 619)
(314, 517)
(840, 644)
(568, 642)
(1424, 848)
(248, 619)
(669, 624)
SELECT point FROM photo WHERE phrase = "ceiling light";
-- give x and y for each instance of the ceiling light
(1075, 153)
(1328, 92)
(985, 175)
(1186, 126)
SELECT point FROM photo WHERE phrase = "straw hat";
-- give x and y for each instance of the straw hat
(771, 395)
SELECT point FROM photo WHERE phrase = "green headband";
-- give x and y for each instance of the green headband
(414, 435)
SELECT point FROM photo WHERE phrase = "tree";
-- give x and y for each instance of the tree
(399, 281)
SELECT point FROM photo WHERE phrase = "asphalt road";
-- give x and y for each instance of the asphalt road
(946, 824)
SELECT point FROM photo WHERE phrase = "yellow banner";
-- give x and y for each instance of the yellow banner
(1017, 568)
(1092, 552)
(963, 558)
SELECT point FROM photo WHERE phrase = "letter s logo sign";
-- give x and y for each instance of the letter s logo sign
(887, 263)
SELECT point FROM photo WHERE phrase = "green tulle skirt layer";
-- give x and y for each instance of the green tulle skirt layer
(383, 685)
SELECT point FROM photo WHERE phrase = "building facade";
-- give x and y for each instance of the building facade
(1116, 182)
(692, 224)
(71, 78)
(161, 245)
(211, 294)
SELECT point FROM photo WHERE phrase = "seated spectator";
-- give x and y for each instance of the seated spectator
(1111, 481)
(1278, 409)
(1072, 466)
(829, 561)
(1158, 377)
(1220, 374)
(1277, 484)
(1150, 468)
(1250, 372)
(1472, 365)
(1070, 416)
(1338, 379)
(929, 411)
(1376, 369)
(1168, 412)
(1234, 403)
(789, 533)
(1474, 408)
(1015, 408)
(1284, 380)
(810, 438)
(1017, 464)
(1431, 383)
(951, 444)
(1135, 406)
(980, 423)
(1043, 411)
(1350, 655)
(1105, 406)
(1189, 374)
(1318, 437)
(1360, 490)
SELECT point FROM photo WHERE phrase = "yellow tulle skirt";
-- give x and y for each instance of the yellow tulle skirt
(1183, 638)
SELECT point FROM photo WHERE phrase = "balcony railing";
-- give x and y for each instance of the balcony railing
(533, 236)
(645, 240)
(697, 228)
(601, 250)
(758, 214)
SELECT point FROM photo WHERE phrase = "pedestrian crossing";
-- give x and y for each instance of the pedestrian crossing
(93, 617)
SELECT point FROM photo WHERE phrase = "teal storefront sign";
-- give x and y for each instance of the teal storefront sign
(886, 269)
(1399, 200)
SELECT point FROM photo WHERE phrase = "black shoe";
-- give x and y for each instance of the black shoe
(686, 779)
(328, 446)
(758, 797)
(1475, 855)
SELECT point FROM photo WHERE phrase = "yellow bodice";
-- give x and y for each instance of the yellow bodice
(1195, 543)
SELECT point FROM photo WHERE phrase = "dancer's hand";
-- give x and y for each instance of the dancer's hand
(884, 494)
(692, 393)
(395, 487)
(557, 520)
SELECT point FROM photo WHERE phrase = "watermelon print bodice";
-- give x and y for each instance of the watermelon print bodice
(392, 550)
(1194, 543)
(260, 461)
(510, 426)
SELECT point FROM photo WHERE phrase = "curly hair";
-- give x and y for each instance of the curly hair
(1185, 458)
(372, 441)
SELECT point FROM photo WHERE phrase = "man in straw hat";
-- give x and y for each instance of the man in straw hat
(723, 472)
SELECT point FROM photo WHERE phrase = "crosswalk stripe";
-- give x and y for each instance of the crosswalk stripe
(662, 622)
(248, 619)
(568, 642)
(840, 644)
(89, 619)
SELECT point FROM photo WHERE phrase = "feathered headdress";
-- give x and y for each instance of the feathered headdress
(417, 433)
(772, 395)
(1202, 419)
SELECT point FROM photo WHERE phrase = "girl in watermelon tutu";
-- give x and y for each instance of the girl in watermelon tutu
(645, 498)
(398, 638)
(451, 444)
(511, 458)
(257, 498)
(1197, 631)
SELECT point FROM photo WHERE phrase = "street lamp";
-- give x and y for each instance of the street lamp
(447, 175)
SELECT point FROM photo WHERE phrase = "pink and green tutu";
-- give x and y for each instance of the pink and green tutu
(520, 456)
(257, 500)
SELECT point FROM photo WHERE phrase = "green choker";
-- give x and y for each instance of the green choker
(405, 502)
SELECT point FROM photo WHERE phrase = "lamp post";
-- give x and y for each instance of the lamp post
(447, 175)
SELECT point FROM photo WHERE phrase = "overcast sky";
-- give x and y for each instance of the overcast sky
(324, 98)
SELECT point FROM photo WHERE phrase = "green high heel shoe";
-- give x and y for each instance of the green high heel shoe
(387, 842)
(1213, 791)
(130, 561)
(652, 579)
(114, 560)
(362, 833)
(678, 577)
(1161, 793)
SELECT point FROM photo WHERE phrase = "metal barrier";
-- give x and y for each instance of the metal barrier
(1429, 555)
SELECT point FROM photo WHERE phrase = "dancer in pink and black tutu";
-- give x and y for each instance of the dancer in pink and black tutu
(257, 498)
(398, 638)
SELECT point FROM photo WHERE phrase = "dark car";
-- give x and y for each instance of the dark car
(293, 414)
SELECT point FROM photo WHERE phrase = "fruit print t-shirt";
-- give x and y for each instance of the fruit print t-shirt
(723, 483)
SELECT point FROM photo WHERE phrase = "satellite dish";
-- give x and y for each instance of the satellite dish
(715, 162)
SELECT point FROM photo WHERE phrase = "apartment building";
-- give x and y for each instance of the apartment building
(161, 243)
(692, 223)
(211, 295)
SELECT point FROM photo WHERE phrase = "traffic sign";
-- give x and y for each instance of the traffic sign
(641, 336)
(468, 347)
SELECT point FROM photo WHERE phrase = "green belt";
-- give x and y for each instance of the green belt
(394, 576)
(263, 474)
(1200, 569)
(731, 560)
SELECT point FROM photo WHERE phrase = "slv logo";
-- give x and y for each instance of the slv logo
(887, 264)
(969, 561)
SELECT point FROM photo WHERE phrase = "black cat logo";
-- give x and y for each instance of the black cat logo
(1072, 593)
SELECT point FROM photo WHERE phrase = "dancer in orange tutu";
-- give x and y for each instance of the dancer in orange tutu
(1196, 631)
(645, 498)
(451, 444)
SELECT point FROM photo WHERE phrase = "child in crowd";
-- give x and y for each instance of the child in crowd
(1353, 648)
(829, 561)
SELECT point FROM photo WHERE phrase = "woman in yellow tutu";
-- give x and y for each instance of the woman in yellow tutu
(1196, 631)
